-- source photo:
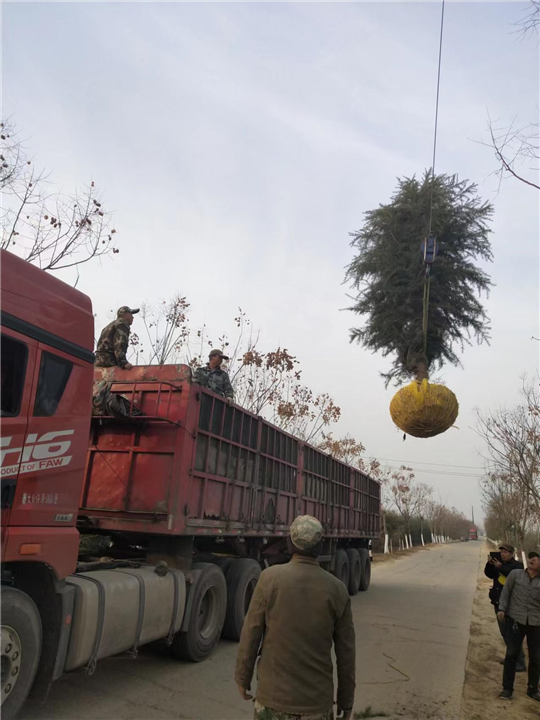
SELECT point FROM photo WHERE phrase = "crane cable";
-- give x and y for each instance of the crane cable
(427, 277)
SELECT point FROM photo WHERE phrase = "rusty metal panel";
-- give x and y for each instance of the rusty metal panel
(195, 465)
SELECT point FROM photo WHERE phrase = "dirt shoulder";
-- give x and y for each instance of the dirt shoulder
(391, 557)
(483, 672)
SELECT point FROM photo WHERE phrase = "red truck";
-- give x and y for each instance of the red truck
(187, 496)
(473, 534)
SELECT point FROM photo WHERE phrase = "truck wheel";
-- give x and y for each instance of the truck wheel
(21, 649)
(207, 616)
(355, 570)
(242, 578)
(222, 561)
(365, 562)
(341, 567)
(225, 564)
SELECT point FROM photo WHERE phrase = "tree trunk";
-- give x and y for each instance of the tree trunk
(421, 369)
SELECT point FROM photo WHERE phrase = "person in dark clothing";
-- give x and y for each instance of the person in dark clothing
(498, 572)
(520, 601)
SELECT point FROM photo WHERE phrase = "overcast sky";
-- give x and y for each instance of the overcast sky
(239, 144)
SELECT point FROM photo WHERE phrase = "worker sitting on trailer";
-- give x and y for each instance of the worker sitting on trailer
(114, 340)
(211, 376)
(105, 402)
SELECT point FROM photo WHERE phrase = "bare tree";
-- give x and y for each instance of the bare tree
(262, 378)
(512, 440)
(531, 22)
(508, 502)
(304, 414)
(44, 226)
(267, 383)
(445, 521)
(516, 147)
(346, 449)
(167, 331)
(407, 496)
(517, 150)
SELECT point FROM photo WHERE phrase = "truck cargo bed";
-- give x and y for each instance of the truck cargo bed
(193, 465)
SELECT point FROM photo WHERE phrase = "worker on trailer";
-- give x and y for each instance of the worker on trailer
(114, 339)
(298, 611)
(211, 376)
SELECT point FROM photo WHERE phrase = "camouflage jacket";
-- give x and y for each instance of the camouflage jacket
(216, 380)
(113, 344)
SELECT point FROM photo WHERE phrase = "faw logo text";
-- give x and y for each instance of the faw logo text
(44, 453)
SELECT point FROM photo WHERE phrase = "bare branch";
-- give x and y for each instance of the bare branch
(531, 22)
(51, 229)
(513, 146)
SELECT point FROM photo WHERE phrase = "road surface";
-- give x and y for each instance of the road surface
(412, 630)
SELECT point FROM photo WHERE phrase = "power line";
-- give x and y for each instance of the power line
(436, 119)
(423, 462)
(443, 472)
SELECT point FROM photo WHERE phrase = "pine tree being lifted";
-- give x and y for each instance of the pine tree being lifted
(390, 276)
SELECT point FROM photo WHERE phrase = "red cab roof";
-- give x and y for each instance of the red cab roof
(42, 300)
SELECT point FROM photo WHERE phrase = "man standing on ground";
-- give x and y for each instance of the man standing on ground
(211, 376)
(498, 571)
(520, 601)
(298, 611)
(114, 339)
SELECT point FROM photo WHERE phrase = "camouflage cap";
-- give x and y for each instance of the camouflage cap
(125, 309)
(219, 353)
(306, 531)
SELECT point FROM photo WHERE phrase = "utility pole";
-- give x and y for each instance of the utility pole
(472, 513)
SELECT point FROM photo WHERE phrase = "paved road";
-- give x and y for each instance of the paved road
(412, 632)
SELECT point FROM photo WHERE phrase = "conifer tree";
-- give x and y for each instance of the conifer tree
(388, 274)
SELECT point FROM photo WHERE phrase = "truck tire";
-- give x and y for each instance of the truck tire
(242, 578)
(21, 649)
(365, 561)
(355, 570)
(207, 616)
(222, 561)
(225, 564)
(341, 567)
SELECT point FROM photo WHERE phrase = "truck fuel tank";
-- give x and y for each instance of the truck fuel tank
(121, 609)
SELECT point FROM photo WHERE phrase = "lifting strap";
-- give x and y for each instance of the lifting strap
(91, 665)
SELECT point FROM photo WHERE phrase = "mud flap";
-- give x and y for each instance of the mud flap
(190, 587)
(67, 597)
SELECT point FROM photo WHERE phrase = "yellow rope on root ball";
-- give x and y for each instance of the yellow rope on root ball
(424, 410)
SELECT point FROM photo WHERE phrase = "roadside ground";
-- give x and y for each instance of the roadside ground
(483, 671)
(398, 554)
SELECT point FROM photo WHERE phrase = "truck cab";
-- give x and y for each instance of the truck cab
(47, 375)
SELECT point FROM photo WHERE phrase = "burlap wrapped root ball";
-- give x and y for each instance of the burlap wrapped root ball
(424, 410)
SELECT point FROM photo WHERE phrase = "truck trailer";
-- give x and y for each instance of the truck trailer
(149, 527)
